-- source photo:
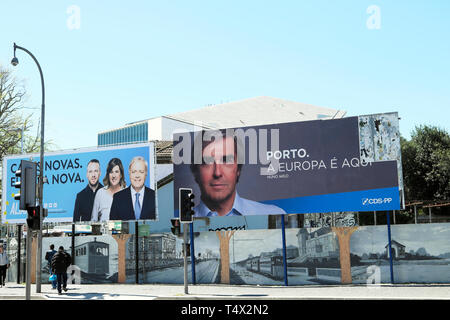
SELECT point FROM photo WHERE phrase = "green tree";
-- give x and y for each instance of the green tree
(426, 164)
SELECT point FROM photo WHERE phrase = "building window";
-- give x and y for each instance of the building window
(130, 134)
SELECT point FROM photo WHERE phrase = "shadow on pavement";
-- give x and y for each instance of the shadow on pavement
(94, 295)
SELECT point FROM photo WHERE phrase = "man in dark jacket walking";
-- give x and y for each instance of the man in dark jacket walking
(60, 262)
(48, 256)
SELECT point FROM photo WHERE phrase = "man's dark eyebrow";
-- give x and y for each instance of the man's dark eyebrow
(229, 158)
(225, 159)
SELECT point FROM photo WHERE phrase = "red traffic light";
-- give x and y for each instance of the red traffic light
(33, 212)
(33, 219)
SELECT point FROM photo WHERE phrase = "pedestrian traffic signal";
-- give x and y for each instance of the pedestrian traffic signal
(33, 219)
(175, 226)
(27, 184)
(186, 200)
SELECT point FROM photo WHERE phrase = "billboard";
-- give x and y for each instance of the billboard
(89, 185)
(349, 164)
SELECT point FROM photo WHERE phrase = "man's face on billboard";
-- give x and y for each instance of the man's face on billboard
(93, 173)
(217, 177)
(138, 173)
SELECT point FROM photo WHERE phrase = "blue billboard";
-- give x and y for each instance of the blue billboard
(349, 164)
(89, 185)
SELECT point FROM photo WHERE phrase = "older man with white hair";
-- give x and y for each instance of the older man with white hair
(137, 202)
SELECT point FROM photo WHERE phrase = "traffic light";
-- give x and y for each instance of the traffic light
(27, 184)
(186, 201)
(175, 226)
(33, 217)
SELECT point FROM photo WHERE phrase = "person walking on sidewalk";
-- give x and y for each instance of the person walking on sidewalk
(4, 264)
(60, 262)
(48, 256)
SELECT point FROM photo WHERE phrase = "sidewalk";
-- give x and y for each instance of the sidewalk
(227, 292)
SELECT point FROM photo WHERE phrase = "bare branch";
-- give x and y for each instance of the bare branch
(14, 121)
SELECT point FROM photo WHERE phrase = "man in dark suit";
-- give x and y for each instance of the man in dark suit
(137, 202)
(85, 198)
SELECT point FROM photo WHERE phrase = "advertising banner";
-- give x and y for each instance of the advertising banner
(92, 184)
(349, 164)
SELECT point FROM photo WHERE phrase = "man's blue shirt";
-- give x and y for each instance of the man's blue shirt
(241, 207)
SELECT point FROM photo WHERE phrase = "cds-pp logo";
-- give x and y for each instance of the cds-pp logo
(369, 201)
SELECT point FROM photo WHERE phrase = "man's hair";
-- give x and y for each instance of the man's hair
(138, 158)
(199, 140)
(94, 161)
(111, 164)
(52, 246)
(61, 248)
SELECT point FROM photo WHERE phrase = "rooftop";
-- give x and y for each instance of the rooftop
(255, 111)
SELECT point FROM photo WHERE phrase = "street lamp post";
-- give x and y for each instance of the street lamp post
(15, 62)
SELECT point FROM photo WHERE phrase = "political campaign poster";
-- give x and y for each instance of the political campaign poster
(89, 185)
(348, 164)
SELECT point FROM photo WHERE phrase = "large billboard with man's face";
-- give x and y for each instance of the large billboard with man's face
(350, 164)
(89, 185)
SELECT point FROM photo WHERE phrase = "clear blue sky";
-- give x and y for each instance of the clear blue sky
(133, 60)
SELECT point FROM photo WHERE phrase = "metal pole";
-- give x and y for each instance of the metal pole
(375, 217)
(391, 264)
(73, 243)
(191, 232)
(415, 214)
(28, 271)
(41, 174)
(283, 236)
(185, 231)
(73, 249)
(144, 276)
(136, 249)
(19, 244)
(429, 213)
(144, 258)
(393, 214)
